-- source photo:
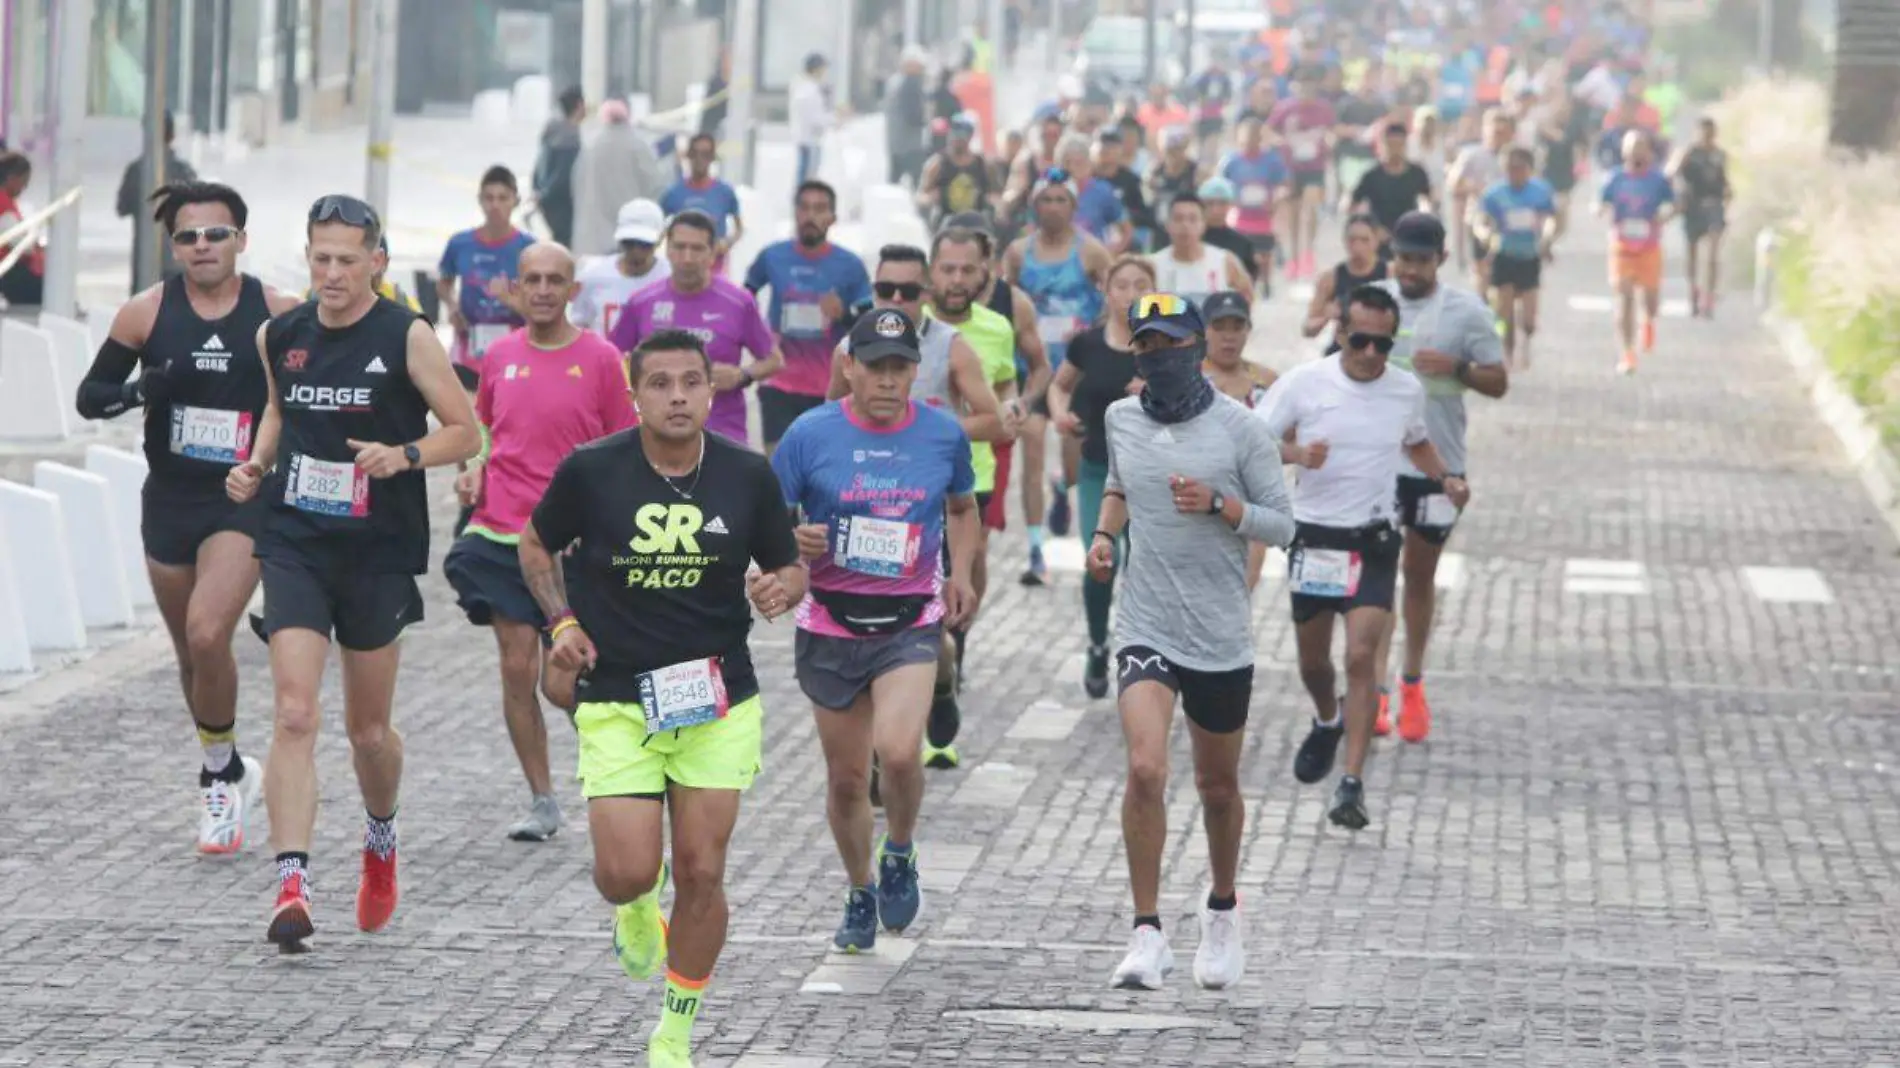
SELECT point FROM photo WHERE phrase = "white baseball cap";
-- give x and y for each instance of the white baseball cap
(639, 220)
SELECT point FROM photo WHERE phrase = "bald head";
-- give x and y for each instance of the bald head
(546, 284)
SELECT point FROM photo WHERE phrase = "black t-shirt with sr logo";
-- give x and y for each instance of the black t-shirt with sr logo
(659, 577)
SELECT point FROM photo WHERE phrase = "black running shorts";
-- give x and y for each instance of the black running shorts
(1363, 563)
(1215, 701)
(364, 610)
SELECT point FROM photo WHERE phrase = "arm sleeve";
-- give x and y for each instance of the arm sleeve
(1268, 514)
(773, 545)
(105, 391)
(558, 518)
(756, 277)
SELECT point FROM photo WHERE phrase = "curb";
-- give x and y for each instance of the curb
(1879, 472)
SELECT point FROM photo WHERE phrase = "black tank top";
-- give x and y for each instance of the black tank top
(210, 417)
(962, 187)
(1003, 300)
(333, 385)
(1344, 282)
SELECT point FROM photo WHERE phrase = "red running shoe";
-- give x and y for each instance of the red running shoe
(290, 921)
(376, 893)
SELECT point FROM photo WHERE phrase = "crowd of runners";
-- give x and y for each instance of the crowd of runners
(1078, 326)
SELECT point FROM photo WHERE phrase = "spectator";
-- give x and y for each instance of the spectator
(616, 166)
(812, 116)
(25, 282)
(130, 202)
(554, 170)
(905, 119)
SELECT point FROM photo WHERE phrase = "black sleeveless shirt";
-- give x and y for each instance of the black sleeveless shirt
(962, 187)
(334, 385)
(210, 417)
(1344, 282)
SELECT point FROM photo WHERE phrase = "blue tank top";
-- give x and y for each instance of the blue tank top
(1067, 302)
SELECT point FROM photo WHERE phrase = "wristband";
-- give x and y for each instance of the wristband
(561, 624)
(1099, 533)
(746, 373)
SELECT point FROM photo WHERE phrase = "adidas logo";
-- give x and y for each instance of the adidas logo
(717, 526)
(216, 344)
(375, 366)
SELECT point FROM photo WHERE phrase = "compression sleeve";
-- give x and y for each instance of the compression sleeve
(106, 391)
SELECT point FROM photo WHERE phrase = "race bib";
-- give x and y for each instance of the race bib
(1055, 329)
(609, 316)
(1520, 219)
(211, 434)
(483, 336)
(886, 548)
(805, 320)
(1306, 149)
(1634, 230)
(1255, 195)
(1325, 572)
(1436, 510)
(683, 695)
(326, 487)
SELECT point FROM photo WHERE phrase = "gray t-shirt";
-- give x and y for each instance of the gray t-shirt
(1456, 322)
(1184, 589)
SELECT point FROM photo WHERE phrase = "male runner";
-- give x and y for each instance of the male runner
(1395, 186)
(1518, 222)
(607, 284)
(814, 284)
(1063, 271)
(353, 380)
(1188, 265)
(1259, 175)
(880, 480)
(956, 179)
(1477, 168)
(1637, 201)
(1350, 419)
(1701, 171)
(1306, 124)
(555, 387)
(1193, 478)
(715, 198)
(477, 267)
(722, 315)
(1449, 339)
(193, 339)
(667, 518)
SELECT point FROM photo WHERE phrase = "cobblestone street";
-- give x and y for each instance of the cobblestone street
(1657, 821)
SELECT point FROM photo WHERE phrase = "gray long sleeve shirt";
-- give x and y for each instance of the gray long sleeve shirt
(1184, 589)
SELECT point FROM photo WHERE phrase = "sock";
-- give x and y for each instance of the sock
(1411, 680)
(1035, 536)
(680, 1008)
(220, 746)
(380, 835)
(1339, 716)
(1148, 921)
(1222, 904)
(289, 864)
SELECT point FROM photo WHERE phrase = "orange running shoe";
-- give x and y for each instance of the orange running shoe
(1649, 335)
(1382, 726)
(1626, 365)
(1415, 716)
(290, 921)
(376, 893)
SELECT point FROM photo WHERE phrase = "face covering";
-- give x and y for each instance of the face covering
(1174, 390)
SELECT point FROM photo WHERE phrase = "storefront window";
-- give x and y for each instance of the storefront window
(117, 83)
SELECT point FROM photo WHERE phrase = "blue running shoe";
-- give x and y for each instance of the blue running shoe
(858, 932)
(1038, 570)
(899, 898)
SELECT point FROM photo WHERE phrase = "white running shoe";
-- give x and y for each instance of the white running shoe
(221, 827)
(1148, 962)
(1221, 958)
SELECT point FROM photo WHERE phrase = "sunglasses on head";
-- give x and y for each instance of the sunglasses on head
(1154, 305)
(1056, 175)
(906, 291)
(213, 235)
(344, 209)
(1383, 343)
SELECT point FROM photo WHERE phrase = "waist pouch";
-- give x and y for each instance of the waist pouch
(869, 615)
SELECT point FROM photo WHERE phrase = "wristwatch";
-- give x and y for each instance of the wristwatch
(1217, 505)
(413, 454)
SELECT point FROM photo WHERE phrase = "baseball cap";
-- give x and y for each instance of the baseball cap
(963, 123)
(1418, 231)
(1226, 304)
(639, 220)
(884, 332)
(1217, 189)
(1169, 313)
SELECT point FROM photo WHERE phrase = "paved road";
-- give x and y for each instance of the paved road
(1658, 822)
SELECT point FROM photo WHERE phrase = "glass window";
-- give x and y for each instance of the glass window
(117, 83)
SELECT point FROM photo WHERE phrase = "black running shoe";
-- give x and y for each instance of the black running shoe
(1349, 804)
(1058, 508)
(1095, 675)
(1314, 761)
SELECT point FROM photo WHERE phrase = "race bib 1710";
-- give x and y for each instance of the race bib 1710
(211, 434)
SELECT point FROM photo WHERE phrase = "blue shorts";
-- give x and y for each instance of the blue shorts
(486, 576)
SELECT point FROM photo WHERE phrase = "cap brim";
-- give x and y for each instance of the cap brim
(1417, 248)
(642, 234)
(1177, 331)
(884, 350)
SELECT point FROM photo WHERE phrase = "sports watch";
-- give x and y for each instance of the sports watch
(413, 454)
(1217, 505)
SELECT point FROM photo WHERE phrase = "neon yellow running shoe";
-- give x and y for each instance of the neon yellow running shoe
(668, 1053)
(640, 933)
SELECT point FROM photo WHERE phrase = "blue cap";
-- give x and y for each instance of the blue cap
(1169, 313)
(1217, 189)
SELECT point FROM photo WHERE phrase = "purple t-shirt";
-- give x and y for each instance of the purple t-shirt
(723, 316)
(1305, 125)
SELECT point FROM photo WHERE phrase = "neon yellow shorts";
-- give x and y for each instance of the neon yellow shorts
(619, 759)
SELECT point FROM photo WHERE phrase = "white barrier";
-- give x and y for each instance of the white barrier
(72, 353)
(125, 472)
(491, 108)
(16, 653)
(85, 499)
(35, 537)
(761, 222)
(34, 402)
(533, 99)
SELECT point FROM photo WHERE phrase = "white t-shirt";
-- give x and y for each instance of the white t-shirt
(1194, 279)
(604, 291)
(1365, 425)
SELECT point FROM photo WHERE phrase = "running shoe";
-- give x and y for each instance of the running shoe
(1095, 673)
(668, 1053)
(640, 933)
(1314, 761)
(858, 932)
(542, 822)
(376, 892)
(940, 731)
(1038, 570)
(899, 898)
(1148, 962)
(1415, 715)
(1349, 804)
(1626, 365)
(941, 757)
(226, 804)
(1221, 957)
(290, 919)
(1058, 508)
(1382, 724)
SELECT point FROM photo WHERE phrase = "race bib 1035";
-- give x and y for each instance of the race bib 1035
(886, 548)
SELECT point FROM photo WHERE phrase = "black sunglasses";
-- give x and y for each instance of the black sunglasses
(1382, 342)
(344, 209)
(898, 290)
(215, 235)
